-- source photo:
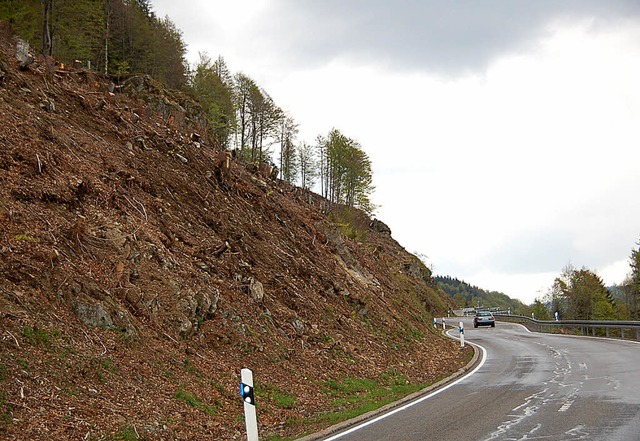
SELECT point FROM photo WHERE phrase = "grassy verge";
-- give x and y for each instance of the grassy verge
(351, 397)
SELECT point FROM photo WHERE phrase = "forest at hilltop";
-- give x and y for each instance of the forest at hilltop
(121, 38)
(141, 268)
(468, 296)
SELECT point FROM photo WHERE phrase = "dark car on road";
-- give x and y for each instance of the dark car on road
(484, 318)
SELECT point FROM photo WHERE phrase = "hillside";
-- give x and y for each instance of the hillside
(139, 274)
(466, 295)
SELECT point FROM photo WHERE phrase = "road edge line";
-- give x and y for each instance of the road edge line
(414, 397)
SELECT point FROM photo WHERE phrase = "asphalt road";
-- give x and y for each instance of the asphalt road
(530, 386)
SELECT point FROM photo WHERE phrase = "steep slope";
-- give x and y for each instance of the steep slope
(138, 275)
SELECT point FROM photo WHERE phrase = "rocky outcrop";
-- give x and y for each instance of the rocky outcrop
(177, 109)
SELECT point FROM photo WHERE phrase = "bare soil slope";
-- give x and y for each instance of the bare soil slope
(137, 278)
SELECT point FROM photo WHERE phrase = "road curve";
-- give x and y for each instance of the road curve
(530, 386)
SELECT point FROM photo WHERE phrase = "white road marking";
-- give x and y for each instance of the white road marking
(420, 400)
(567, 404)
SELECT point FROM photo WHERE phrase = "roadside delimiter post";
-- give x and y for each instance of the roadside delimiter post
(246, 392)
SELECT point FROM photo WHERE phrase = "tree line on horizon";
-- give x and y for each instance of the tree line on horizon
(580, 294)
(120, 38)
(576, 294)
(466, 295)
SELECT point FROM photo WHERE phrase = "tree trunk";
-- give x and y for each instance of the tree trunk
(47, 43)
(106, 36)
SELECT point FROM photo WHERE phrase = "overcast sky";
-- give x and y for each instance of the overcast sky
(504, 135)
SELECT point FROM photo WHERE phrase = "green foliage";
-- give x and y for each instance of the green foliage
(278, 438)
(27, 238)
(308, 167)
(258, 119)
(5, 411)
(289, 165)
(581, 295)
(632, 285)
(345, 220)
(195, 402)
(102, 367)
(345, 171)
(360, 395)
(37, 336)
(127, 433)
(190, 367)
(122, 68)
(24, 16)
(281, 399)
(4, 372)
(128, 31)
(212, 85)
(125, 37)
(540, 311)
(466, 295)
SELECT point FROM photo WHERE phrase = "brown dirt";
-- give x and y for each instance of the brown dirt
(136, 281)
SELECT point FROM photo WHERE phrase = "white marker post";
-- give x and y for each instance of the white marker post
(461, 331)
(250, 416)
(444, 325)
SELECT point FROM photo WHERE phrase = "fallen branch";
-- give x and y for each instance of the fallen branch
(144, 214)
(143, 210)
(171, 338)
(14, 338)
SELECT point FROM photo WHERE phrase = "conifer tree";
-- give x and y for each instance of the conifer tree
(213, 87)
(634, 283)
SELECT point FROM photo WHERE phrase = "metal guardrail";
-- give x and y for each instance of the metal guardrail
(625, 330)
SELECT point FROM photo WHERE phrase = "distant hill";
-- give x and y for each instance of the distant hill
(466, 295)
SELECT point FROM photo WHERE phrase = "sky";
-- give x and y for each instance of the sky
(504, 135)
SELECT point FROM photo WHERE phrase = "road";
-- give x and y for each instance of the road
(530, 386)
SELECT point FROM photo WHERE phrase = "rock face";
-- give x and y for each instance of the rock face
(380, 227)
(134, 285)
(256, 289)
(93, 314)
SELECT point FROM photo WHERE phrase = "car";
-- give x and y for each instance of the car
(484, 318)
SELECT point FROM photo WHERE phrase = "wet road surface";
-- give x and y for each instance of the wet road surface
(530, 387)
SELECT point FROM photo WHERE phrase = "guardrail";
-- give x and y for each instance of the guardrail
(625, 330)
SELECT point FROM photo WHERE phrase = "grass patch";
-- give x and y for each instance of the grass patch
(5, 412)
(189, 367)
(23, 363)
(195, 402)
(281, 399)
(345, 220)
(37, 336)
(4, 372)
(27, 238)
(125, 434)
(278, 438)
(352, 397)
